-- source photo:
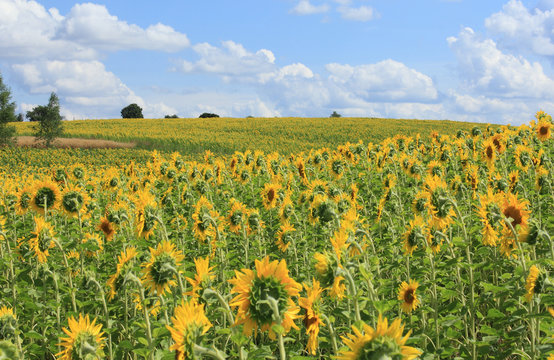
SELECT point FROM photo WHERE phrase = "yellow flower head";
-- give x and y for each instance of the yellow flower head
(270, 195)
(84, 341)
(160, 272)
(284, 236)
(384, 341)
(270, 281)
(533, 285)
(189, 325)
(116, 280)
(202, 277)
(236, 216)
(312, 316)
(42, 239)
(407, 294)
(46, 196)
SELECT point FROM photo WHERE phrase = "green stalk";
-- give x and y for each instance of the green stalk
(106, 314)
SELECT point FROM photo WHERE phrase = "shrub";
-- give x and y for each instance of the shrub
(132, 111)
(208, 115)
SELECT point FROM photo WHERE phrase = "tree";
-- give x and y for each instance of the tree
(208, 115)
(132, 111)
(7, 115)
(335, 115)
(49, 121)
(174, 116)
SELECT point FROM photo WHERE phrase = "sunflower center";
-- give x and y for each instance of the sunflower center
(262, 289)
(489, 151)
(72, 201)
(270, 195)
(514, 213)
(543, 130)
(162, 268)
(45, 197)
(236, 218)
(496, 143)
(409, 296)
(106, 227)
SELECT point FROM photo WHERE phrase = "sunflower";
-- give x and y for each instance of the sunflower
(7, 322)
(415, 234)
(107, 228)
(440, 205)
(74, 200)
(189, 325)
(146, 217)
(312, 316)
(321, 210)
(516, 210)
(499, 142)
(338, 288)
(301, 167)
(543, 130)
(491, 217)
(46, 196)
(407, 294)
(285, 236)
(202, 278)
(77, 171)
(542, 179)
(337, 166)
(93, 244)
(236, 216)
(255, 287)
(159, 273)
(435, 238)
(84, 341)
(286, 209)
(254, 221)
(270, 195)
(533, 285)
(383, 342)
(42, 239)
(513, 178)
(23, 201)
(123, 261)
(435, 168)
(522, 157)
(339, 241)
(489, 153)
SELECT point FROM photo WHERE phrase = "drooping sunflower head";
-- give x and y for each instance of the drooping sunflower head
(435, 239)
(84, 341)
(254, 221)
(7, 323)
(46, 196)
(491, 217)
(23, 200)
(516, 210)
(160, 272)
(523, 157)
(93, 244)
(204, 275)
(337, 166)
(189, 325)
(42, 239)
(441, 206)
(312, 314)
(256, 289)
(322, 209)
(116, 212)
(383, 342)
(489, 152)
(407, 295)
(301, 167)
(107, 228)
(286, 209)
(285, 236)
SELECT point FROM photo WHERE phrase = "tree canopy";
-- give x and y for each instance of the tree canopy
(7, 115)
(132, 111)
(49, 121)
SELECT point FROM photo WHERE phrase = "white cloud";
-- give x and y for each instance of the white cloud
(28, 30)
(488, 71)
(520, 29)
(387, 80)
(304, 7)
(362, 13)
(230, 59)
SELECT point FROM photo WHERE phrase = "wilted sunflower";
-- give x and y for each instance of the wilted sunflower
(255, 287)
(415, 234)
(107, 228)
(407, 294)
(84, 341)
(116, 280)
(46, 196)
(384, 342)
(42, 239)
(491, 217)
(159, 273)
(284, 236)
(270, 195)
(237, 216)
(312, 316)
(543, 130)
(202, 277)
(189, 325)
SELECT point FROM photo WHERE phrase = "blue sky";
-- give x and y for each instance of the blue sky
(486, 61)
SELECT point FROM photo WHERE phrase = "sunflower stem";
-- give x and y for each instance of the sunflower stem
(332, 333)
(106, 313)
(213, 353)
(136, 280)
(69, 277)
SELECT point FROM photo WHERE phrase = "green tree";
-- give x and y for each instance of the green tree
(208, 115)
(132, 111)
(335, 115)
(49, 121)
(7, 115)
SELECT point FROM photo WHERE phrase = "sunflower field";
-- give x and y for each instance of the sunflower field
(435, 247)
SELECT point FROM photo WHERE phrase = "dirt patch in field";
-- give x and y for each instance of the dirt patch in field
(75, 143)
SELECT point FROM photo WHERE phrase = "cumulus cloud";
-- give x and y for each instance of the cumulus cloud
(362, 13)
(519, 28)
(229, 59)
(489, 71)
(28, 30)
(304, 7)
(387, 80)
